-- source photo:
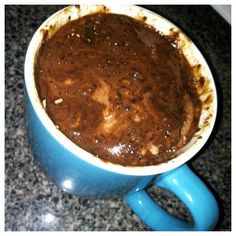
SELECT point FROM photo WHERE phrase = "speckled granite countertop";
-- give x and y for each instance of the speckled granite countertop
(32, 202)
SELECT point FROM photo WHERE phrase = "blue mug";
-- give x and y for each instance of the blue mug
(79, 172)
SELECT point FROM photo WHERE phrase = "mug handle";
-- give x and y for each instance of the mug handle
(190, 189)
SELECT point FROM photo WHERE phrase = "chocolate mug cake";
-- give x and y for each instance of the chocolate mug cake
(119, 89)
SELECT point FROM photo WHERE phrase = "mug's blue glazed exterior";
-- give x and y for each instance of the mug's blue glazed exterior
(81, 178)
(77, 172)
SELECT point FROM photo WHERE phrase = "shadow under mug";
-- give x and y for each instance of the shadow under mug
(80, 173)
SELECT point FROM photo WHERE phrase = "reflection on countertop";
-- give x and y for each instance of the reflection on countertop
(33, 202)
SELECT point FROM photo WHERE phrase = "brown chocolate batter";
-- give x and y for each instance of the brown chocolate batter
(119, 89)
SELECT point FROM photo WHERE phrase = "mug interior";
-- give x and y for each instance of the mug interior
(204, 82)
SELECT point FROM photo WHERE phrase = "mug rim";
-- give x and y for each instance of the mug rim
(186, 153)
